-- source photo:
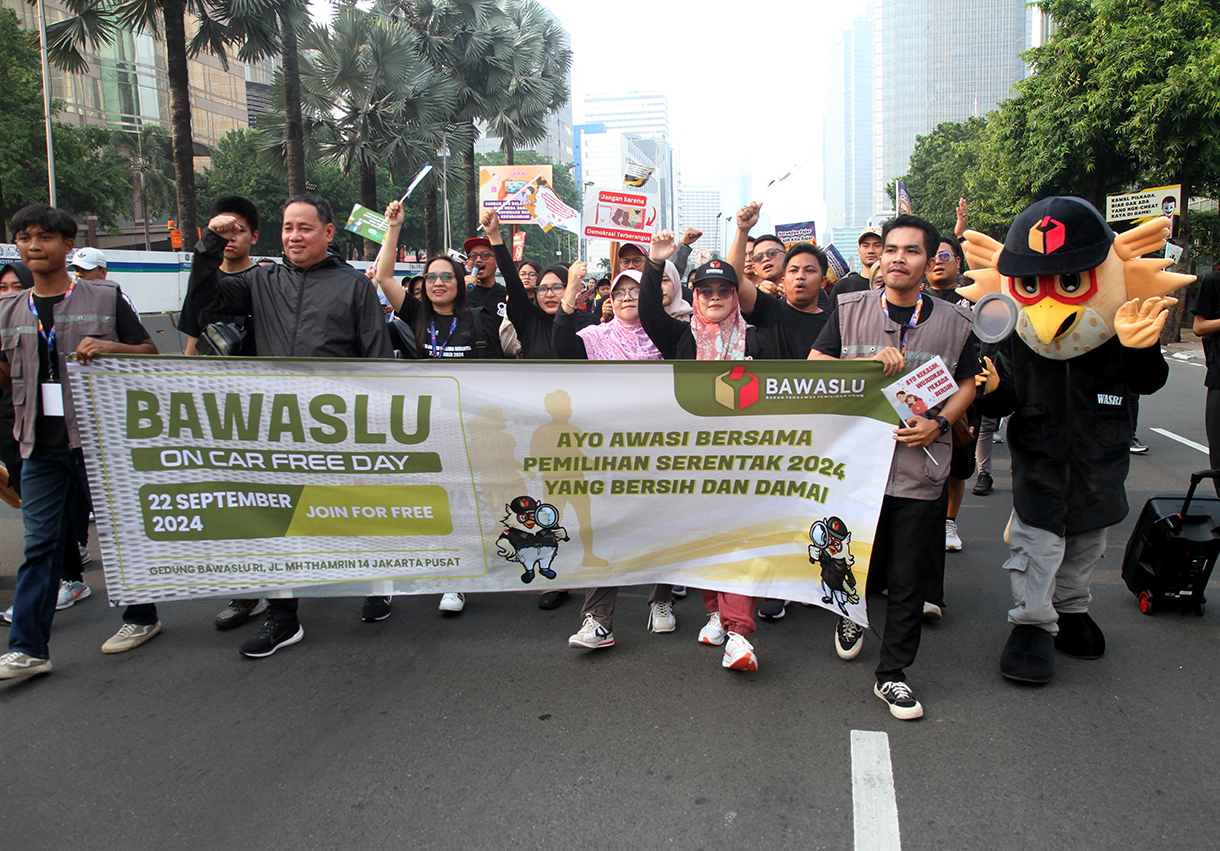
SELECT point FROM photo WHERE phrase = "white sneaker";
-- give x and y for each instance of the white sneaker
(661, 617)
(7, 616)
(71, 592)
(713, 633)
(953, 541)
(739, 654)
(932, 612)
(452, 602)
(13, 665)
(85, 558)
(592, 635)
(130, 636)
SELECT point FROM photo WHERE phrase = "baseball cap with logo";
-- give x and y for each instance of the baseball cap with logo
(869, 232)
(717, 270)
(637, 246)
(88, 258)
(1055, 236)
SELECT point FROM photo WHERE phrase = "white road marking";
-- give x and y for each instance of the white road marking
(874, 807)
(1182, 440)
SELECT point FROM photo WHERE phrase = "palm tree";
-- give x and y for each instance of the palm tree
(368, 101)
(150, 167)
(95, 22)
(469, 41)
(537, 83)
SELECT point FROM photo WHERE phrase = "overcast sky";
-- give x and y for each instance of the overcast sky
(744, 81)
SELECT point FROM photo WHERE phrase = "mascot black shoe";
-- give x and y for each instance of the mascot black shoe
(1029, 655)
(1079, 636)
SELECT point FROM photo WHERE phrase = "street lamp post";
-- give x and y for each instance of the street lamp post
(46, 100)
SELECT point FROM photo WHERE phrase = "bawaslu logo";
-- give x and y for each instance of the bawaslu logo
(737, 389)
(707, 389)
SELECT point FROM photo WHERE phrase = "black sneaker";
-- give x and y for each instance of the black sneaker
(375, 609)
(900, 699)
(238, 612)
(552, 600)
(1137, 448)
(271, 636)
(849, 638)
(983, 486)
(771, 610)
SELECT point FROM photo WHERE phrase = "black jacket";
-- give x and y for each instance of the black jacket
(1070, 432)
(673, 337)
(535, 327)
(329, 310)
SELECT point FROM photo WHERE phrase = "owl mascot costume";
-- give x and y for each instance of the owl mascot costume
(1087, 310)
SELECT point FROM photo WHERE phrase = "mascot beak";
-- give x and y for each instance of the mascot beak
(1051, 318)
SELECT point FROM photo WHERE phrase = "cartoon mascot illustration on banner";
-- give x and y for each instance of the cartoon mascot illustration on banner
(831, 549)
(531, 536)
(1088, 309)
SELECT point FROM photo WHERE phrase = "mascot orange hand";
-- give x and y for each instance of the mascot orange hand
(1139, 325)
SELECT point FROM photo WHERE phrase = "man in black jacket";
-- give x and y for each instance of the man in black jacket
(312, 306)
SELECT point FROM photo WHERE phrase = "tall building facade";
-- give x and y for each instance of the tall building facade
(936, 61)
(645, 117)
(847, 145)
(701, 209)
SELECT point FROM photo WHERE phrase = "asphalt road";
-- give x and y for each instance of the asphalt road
(485, 730)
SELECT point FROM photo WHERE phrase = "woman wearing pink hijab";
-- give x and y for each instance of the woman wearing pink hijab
(716, 331)
(622, 338)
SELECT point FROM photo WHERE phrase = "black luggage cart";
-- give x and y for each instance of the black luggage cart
(1173, 549)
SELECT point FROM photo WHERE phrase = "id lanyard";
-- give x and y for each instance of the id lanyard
(448, 339)
(902, 340)
(49, 338)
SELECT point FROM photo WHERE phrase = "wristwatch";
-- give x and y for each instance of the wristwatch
(942, 423)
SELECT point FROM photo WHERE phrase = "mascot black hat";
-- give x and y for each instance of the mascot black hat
(1055, 236)
(523, 505)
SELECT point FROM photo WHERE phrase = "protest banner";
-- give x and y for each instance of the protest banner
(902, 198)
(1144, 204)
(368, 223)
(498, 183)
(238, 478)
(635, 175)
(550, 211)
(621, 215)
(796, 232)
(837, 266)
(518, 247)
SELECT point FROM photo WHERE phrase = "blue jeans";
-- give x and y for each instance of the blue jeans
(48, 484)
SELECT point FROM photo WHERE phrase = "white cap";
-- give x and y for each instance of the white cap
(88, 258)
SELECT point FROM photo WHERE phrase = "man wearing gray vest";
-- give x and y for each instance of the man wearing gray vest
(902, 328)
(39, 328)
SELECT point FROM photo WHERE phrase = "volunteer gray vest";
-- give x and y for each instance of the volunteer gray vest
(865, 330)
(89, 312)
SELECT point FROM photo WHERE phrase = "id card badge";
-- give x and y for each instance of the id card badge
(52, 400)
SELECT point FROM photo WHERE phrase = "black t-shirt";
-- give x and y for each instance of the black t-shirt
(830, 341)
(789, 332)
(455, 337)
(1207, 305)
(492, 299)
(51, 433)
(192, 322)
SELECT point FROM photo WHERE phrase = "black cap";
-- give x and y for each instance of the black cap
(717, 270)
(1055, 236)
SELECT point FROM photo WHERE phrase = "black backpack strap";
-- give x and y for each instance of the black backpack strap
(480, 342)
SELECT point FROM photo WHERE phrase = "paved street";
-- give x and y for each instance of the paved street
(485, 730)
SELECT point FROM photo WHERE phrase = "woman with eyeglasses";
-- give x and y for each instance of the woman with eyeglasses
(445, 326)
(717, 331)
(622, 338)
(534, 320)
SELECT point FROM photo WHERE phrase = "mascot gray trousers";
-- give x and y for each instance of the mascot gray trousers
(1050, 574)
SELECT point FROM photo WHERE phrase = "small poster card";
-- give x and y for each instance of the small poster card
(922, 389)
(367, 223)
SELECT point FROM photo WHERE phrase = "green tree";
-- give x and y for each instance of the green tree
(150, 169)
